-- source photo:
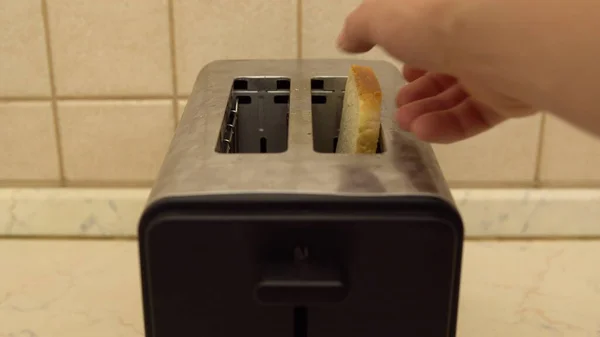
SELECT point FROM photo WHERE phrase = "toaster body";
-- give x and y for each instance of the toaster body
(255, 226)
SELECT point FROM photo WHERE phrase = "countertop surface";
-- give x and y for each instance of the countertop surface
(487, 213)
(92, 289)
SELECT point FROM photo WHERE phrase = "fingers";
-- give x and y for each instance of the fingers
(445, 100)
(437, 109)
(460, 122)
(412, 73)
(427, 85)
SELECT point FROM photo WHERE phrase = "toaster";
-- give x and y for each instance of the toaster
(255, 226)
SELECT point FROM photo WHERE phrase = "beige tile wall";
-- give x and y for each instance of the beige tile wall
(90, 91)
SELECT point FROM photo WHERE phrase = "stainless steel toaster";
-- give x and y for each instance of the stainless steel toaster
(256, 227)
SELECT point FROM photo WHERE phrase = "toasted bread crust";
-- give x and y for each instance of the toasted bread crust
(370, 97)
(367, 83)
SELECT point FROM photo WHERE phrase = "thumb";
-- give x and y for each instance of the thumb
(411, 31)
(355, 36)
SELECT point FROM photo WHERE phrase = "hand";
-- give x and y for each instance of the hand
(471, 64)
(438, 108)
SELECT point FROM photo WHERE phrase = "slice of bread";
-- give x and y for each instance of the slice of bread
(361, 113)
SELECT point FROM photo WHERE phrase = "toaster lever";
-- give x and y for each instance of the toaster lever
(301, 281)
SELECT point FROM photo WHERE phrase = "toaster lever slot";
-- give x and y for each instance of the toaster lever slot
(256, 117)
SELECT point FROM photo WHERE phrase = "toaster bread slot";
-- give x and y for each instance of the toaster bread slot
(327, 102)
(256, 117)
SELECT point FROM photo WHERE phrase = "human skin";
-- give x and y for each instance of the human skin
(472, 64)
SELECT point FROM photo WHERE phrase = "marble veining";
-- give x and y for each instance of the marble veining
(71, 212)
(92, 288)
(115, 212)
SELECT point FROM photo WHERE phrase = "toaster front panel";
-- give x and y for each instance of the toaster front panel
(329, 266)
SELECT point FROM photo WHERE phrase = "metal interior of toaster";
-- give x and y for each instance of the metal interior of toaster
(327, 101)
(257, 116)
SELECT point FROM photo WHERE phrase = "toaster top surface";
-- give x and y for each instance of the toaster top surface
(285, 112)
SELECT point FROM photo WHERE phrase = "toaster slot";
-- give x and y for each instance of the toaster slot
(327, 101)
(256, 119)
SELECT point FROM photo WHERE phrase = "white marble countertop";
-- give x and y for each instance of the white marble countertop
(92, 289)
(506, 213)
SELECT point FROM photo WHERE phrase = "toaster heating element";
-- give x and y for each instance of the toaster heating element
(255, 226)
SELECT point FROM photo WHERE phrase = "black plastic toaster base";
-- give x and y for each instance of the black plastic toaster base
(300, 265)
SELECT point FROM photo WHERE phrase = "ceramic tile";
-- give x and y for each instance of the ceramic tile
(28, 142)
(115, 48)
(23, 57)
(321, 25)
(533, 289)
(494, 156)
(569, 155)
(210, 30)
(123, 141)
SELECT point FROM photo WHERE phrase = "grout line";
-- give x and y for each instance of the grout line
(554, 185)
(532, 238)
(66, 184)
(25, 99)
(134, 238)
(57, 136)
(114, 184)
(114, 98)
(490, 184)
(47, 237)
(578, 184)
(299, 18)
(537, 179)
(108, 184)
(34, 184)
(86, 98)
(591, 184)
(172, 46)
